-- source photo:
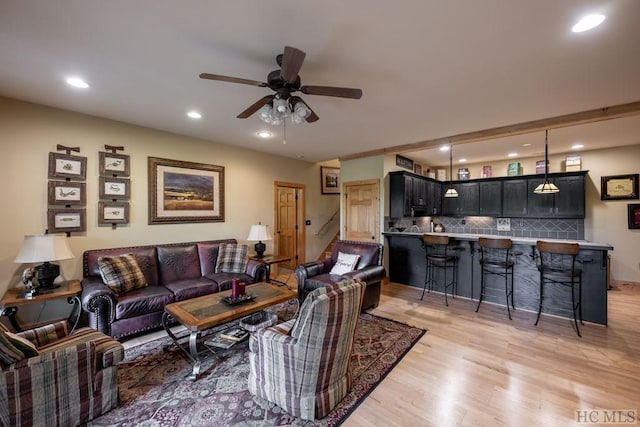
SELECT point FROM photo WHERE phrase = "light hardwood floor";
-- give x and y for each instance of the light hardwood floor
(481, 369)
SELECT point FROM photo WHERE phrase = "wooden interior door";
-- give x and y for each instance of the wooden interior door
(362, 211)
(289, 239)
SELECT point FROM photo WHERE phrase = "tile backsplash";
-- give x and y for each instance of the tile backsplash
(572, 229)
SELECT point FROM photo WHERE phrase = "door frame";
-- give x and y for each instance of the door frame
(300, 216)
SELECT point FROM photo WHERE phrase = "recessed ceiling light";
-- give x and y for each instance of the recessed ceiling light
(588, 22)
(577, 146)
(194, 115)
(512, 154)
(77, 82)
(526, 145)
(444, 148)
(264, 134)
(462, 160)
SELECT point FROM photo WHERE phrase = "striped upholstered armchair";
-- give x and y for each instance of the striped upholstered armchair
(49, 377)
(302, 365)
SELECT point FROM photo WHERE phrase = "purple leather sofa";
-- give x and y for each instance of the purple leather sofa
(174, 272)
(369, 269)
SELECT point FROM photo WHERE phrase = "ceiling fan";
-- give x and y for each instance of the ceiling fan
(275, 108)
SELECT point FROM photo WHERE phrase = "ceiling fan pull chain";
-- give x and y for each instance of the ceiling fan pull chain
(284, 135)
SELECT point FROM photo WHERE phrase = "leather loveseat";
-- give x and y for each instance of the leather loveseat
(173, 272)
(368, 269)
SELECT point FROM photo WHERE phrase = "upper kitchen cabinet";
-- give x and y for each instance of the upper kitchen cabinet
(466, 204)
(514, 198)
(568, 203)
(413, 195)
(490, 198)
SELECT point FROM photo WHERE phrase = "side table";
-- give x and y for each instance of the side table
(269, 260)
(14, 298)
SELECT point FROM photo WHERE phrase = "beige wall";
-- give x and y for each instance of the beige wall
(28, 132)
(606, 221)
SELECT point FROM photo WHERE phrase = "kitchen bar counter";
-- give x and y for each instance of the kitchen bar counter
(407, 266)
(584, 244)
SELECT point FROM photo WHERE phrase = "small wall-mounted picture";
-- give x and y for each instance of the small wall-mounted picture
(113, 164)
(114, 188)
(503, 224)
(66, 193)
(417, 169)
(113, 213)
(66, 220)
(67, 166)
(330, 180)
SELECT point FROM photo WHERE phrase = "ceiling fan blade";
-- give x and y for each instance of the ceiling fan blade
(291, 63)
(256, 106)
(313, 117)
(341, 92)
(232, 79)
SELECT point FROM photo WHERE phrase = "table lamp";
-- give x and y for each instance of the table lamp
(258, 233)
(42, 248)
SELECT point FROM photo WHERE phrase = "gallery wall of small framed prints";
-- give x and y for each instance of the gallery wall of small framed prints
(114, 187)
(67, 191)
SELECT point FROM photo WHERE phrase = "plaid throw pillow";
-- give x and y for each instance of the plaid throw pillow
(232, 258)
(9, 353)
(121, 273)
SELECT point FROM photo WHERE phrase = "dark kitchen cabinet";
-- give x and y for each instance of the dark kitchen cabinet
(401, 194)
(538, 205)
(465, 204)
(413, 195)
(490, 198)
(568, 203)
(514, 198)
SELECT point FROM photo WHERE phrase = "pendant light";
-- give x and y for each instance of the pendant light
(451, 192)
(546, 187)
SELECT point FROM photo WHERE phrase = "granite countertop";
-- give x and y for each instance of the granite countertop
(584, 244)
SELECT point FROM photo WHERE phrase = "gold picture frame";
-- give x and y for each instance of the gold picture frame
(182, 192)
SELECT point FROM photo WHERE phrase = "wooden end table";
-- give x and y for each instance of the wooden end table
(202, 313)
(270, 260)
(14, 298)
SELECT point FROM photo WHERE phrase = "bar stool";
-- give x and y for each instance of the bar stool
(438, 257)
(557, 266)
(496, 258)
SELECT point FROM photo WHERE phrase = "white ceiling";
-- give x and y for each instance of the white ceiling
(427, 68)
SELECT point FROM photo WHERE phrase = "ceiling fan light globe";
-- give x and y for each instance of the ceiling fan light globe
(301, 110)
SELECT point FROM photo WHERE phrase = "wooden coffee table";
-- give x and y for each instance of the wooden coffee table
(202, 313)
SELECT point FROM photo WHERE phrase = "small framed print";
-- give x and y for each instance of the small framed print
(634, 216)
(619, 187)
(329, 180)
(67, 193)
(113, 164)
(114, 188)
(67, 166)
(113, 213)
(67, 220)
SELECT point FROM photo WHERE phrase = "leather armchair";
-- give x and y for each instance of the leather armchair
(303, 365)
(369, 269)
(72, 379)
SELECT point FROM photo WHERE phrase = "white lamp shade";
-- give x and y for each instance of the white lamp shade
(43, 248)
(259, 232)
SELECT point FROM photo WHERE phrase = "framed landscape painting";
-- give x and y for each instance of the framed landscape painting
(185, 192)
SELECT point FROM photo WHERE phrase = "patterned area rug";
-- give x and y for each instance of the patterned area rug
(155, 390)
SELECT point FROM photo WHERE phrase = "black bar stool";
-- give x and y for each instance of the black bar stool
(438, 258)
(496, 259)
(557, 266)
